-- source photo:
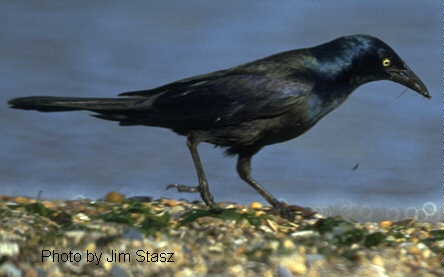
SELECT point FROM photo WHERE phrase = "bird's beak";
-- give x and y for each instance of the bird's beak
(408, 78)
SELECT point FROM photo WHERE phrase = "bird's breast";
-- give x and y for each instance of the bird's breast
(318, 107)
(290, 125)
(299, 119)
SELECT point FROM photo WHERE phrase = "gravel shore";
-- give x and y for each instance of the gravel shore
(165, 237)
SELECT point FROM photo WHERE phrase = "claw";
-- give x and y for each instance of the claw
(183, 188)
(290, 211)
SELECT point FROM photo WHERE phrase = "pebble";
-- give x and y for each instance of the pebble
(5, 197)
(77, 236)
(266, 229)
(385, 224)
(313, 273)
(171, 202)
(313, 259)
(236, 270)
(272, 225)
(30, 272)
(240, 240)
(440, 243)
(136, 244)
(299, 234)
(118, 271)
(133, 234)
(216, 248)
(288, 244)
(177, 209)
(377, 260)
(302, 250)
(186, 272)
(80, 218)
(284, 272)
(54, 272)
(414, 250)
(106, 265)
(10, 270)
(21, 200)
(295, 263)
(9, 249)
(427, 253)
(74, 266)
(49, 204)
(256, 205)
(260, 213)
(423, 235)
(114, 197)
(274, 245)
(370, 271)
(91, 247)
(228, 205)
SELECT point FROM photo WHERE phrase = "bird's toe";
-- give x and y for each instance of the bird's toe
(291, 211)
(183, 188)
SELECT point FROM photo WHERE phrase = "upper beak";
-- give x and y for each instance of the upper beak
(409, 79)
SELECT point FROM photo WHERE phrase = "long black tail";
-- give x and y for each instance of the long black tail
(61, 104)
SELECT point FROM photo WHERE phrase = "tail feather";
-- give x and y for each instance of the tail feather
(59, 104)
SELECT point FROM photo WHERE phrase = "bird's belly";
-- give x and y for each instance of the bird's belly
(285, 128)
(256, 133)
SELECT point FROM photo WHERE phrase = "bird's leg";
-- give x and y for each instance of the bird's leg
(287, 211)
(203, 183)
(244, 171)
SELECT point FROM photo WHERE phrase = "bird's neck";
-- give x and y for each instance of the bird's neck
(343, 63)
(339, 74)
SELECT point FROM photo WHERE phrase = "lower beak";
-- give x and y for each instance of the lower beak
(408, 78)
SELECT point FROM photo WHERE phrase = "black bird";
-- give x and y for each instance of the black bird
(247, 107)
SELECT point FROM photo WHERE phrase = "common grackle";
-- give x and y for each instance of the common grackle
(247, 107)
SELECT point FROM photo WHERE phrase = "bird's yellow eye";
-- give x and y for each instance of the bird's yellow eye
(386, 62)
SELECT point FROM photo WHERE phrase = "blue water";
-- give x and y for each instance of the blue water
(101, 48)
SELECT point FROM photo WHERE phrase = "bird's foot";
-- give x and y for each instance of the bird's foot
(183, 188)
(205, 194)
(290, 211)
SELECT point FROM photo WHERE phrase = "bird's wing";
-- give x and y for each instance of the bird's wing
(177, 85)
(222, 99)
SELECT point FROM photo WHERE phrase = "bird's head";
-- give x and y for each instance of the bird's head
(370, 59)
